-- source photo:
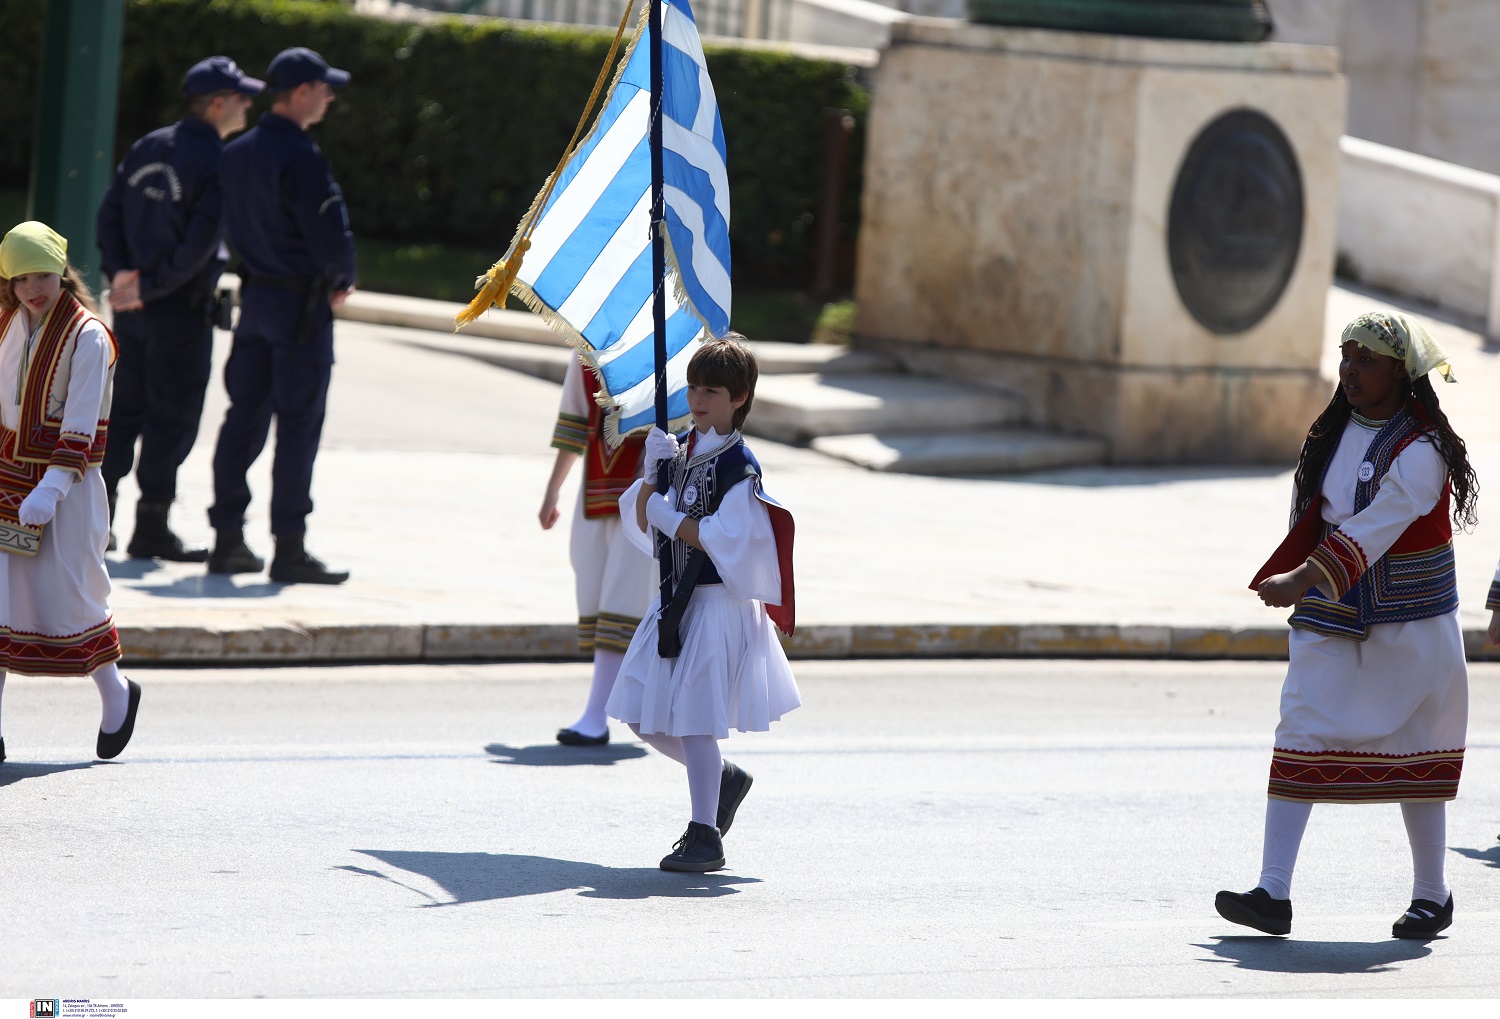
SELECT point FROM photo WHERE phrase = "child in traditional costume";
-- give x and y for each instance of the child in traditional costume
(1375, 704)
(711, 661)
(612, 580)
(56, 366)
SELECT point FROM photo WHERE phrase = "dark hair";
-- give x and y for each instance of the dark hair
(69, 280)
(727, 364)
(1422, 403)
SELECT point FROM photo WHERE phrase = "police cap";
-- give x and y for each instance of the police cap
(300, 65)
(218, 74)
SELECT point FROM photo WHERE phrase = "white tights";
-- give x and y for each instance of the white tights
(700, 755)
(593, 721)
(114, 696)
(1426, 830)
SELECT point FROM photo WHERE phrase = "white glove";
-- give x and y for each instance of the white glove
(40, 506)
(662, 516)
(659, 446)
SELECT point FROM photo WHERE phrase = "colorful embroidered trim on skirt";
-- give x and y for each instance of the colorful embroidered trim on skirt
(39, 654)
(1339, 776)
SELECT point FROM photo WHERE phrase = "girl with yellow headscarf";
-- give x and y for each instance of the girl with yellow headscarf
(1375, 704)
(56, 368)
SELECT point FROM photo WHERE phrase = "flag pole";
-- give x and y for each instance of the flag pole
(659, 297)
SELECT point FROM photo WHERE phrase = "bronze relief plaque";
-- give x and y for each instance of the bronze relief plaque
(1235, 223)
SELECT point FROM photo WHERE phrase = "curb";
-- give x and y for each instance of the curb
(548, 642)
(405, 643)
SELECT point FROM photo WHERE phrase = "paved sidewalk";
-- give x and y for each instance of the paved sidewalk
(432, 470)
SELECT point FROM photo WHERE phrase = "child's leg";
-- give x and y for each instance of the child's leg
(667, 746)
(704, 768)
(593, 721)
(2, 696)
(115, 696)
(1427, 830)
(1285, 823)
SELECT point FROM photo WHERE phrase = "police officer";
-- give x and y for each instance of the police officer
(286, 217)
(161, 233)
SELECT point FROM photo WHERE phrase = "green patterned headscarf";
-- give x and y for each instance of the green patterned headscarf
(1396, 335)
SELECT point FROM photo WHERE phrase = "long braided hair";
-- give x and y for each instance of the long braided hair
(1422, 402)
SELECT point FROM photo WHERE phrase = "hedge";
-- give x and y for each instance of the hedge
(449, 127)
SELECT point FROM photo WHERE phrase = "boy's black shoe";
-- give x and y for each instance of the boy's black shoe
(2, 751)
(1424, 919)
(734, 783)
(699, 850)
(1257, 909)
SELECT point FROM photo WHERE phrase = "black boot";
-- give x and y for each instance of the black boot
(153, 539)
(294, 565)
(699, 850)
(113, 497)
(232, 555)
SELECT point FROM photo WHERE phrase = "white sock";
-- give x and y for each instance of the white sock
(1285, 822)
(1427, 830)
(115, 696)
(594, 721)
(704, 767)
(667, 746)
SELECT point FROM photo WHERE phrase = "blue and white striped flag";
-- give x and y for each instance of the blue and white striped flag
(588, 271)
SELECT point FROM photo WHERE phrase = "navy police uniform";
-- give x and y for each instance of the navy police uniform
(286, 217)
(163, 217)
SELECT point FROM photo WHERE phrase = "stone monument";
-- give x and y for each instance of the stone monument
(1134, 234)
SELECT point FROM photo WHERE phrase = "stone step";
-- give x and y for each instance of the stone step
(995, 451)
(545, 361)
(800, 408)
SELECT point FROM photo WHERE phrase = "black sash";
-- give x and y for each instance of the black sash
(668, 642)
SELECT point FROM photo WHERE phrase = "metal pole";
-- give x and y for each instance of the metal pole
(659, 302)
(75, 136)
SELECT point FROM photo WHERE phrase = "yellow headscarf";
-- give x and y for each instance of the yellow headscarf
(33, 247)
(1395, 335)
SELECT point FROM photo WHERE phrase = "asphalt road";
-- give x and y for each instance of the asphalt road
(997, 828)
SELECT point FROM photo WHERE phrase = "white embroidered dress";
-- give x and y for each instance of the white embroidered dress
(54, 607)
(1396, 703)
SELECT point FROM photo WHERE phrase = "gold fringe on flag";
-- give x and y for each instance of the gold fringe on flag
(494, 286)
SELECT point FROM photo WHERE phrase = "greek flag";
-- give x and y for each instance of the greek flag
(588, 270)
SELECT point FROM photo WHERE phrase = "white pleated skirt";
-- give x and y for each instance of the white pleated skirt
(732, 673)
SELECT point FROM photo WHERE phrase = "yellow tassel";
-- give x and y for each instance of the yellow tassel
(494, 286)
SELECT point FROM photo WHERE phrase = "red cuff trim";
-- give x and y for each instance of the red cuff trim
(1343, 560)
(71, 453)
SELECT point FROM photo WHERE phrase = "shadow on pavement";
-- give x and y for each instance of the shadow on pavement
(1273, 955)
(483, 877)
(130, 569)
(208, 585)
(1489, 857)
(551, 755)
(12, 772)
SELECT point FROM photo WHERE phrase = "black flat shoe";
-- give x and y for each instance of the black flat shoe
(1257, 909)
(574, 738)
(734, 784)
(2, 751)
(1424, 919)
(111, 743)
